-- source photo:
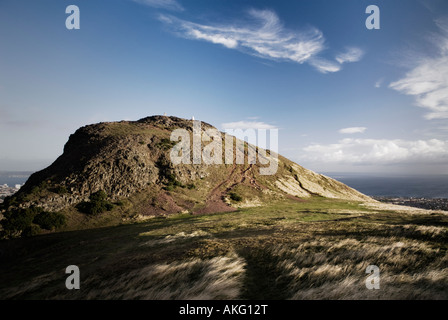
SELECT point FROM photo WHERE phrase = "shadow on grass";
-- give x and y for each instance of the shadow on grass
(25, 258)
(264, 279)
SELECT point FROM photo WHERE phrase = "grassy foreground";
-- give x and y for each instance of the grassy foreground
(316, 249)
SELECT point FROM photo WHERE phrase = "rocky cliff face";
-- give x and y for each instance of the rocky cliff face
(132, 157)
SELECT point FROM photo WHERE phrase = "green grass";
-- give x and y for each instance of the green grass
(290, 249)
(166, 144)
(123, 129)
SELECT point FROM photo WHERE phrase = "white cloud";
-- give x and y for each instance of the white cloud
(428, 81)
(243, 125)
(263, 35)
(266, 38)
(324, 66)
(351, 55)
(215, 38)
(379, 151)
(379, 83)
(353, 130)
(163, 4)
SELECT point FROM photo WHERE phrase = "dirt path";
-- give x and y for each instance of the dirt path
(215, 200)
(239, 175)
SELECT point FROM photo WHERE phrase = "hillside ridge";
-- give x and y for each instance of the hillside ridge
(130, 161)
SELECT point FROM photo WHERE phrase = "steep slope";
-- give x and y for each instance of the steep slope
(130, 161)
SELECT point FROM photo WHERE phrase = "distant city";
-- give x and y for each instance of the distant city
(6, 191)
(11, 182)
(423, 203)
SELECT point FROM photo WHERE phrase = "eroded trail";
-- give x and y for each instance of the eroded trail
(215, 200)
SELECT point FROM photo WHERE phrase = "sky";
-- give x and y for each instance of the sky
(343, 97)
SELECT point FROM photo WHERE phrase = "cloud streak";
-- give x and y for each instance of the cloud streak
(353, 130)
(351, 55)
(379, 83)
(379, 151)
(428, 81)
(243, 125)
(263, 35)
(162, 4)
(324, 65)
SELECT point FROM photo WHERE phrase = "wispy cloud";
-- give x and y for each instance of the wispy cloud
(263, 35)
(324, 66)
(351, 55)
(353, 130)
(247, 125)
(379, 151)
(379, 83)
(162, 4)
(428, 81)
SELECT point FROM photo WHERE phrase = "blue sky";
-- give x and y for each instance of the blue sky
(343, 97)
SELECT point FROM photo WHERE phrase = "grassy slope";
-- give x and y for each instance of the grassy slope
(289, 250)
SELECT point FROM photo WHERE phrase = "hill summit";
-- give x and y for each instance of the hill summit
(126, 168)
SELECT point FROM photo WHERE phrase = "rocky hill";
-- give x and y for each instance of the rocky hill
(129, 163)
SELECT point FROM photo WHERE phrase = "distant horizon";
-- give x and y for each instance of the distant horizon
(376, 185)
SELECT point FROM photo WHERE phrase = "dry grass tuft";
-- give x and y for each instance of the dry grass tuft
(323, 269)
(217, 278)
(177, 237)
